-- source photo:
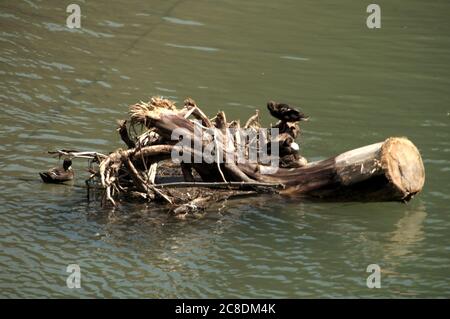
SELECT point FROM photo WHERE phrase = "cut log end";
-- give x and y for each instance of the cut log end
(403, 166)
(387, 171)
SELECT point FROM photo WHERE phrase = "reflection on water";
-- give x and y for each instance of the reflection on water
(65, 88)
(405, 240)
(409, 233)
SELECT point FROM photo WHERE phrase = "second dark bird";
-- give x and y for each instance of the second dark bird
(59, 174)
(285, 112)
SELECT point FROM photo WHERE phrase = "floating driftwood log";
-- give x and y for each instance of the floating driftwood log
(157, 166)
(387, 171)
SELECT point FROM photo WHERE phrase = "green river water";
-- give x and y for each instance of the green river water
(64, 88)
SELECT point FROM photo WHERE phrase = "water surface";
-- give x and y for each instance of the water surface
(63, 88)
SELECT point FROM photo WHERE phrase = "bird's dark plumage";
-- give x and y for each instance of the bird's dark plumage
(292, 161)
(59, 174)
(285, 112)
(288, 152)
(286, 145)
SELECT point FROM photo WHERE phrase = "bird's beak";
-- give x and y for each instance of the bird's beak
(295, 146)
(305, 119)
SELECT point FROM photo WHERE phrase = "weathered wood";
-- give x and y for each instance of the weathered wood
(229, 185)
(123, 132)
(388, 171)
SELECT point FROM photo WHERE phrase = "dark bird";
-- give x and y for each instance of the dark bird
(288, 152)
(292, 161)
(286, 145)
(285, 112)
(59, 174)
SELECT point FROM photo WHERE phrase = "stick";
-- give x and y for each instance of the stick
(218, 159)
(198, 114)
(219, 184)
(75, 154)
(252, 119)
(152, 173)
(123, 132)
(141, 183)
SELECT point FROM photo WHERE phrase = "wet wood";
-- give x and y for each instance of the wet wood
(388, 171)
(391, 170)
